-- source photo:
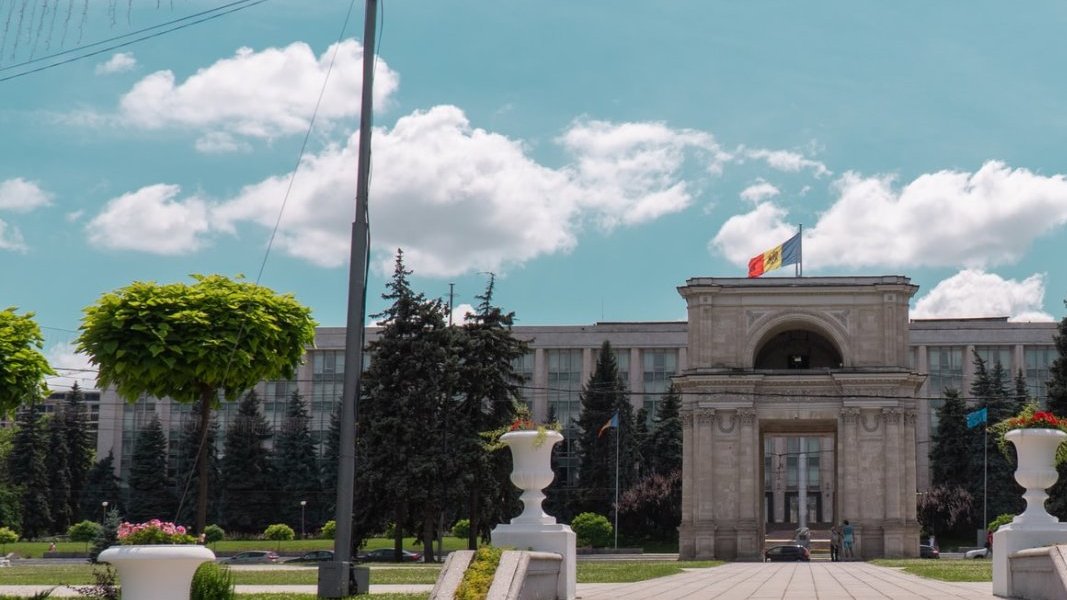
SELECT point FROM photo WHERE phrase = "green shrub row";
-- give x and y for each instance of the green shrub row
(479, 574)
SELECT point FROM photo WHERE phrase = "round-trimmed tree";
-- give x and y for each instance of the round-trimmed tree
(22, 365)
(193, 342)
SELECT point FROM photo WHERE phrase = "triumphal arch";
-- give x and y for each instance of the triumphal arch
(798, 410)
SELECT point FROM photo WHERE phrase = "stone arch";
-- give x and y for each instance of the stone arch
(825, 340)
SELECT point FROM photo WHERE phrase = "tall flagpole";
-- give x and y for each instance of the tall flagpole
(985, 478)
(800, 240)
(618, 432)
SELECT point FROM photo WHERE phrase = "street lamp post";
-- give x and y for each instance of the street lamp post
(303, 504)
(103, 513)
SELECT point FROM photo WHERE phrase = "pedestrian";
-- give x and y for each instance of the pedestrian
(835, 543)
(848, 538)
(52, 547)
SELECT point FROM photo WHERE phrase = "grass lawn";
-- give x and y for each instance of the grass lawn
(227, 547)
(945, 570)
(423, 596)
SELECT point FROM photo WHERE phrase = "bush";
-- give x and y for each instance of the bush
(462, 529)
(214, 533)
(212, 582)
(279, 532)
(7, 536)
(479, 575)
(1001, 520)
(329, 529)
(86, 531)
(592, 529)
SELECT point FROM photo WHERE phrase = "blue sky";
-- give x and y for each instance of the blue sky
(594, 155)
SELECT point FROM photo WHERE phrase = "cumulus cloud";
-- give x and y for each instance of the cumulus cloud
(975, 293)
(220, 142)
(70, 366)
(758, 192)
(152, 219)
(461, 199)
(459, 313)
(260, 95)
(119, 62)
(19, 195)
(784, 160)
(948, 218)
(11, 238)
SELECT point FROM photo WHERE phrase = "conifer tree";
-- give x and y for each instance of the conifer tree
(151, 490)
(488, 387)
(26, 466)
(101, 485)
(951, 454)
(602, 397)
(642, 441)
(81, 447)
(248, 483)
(295, 461)
(992, 473)
(402, 413)
(57, 463)
(666, 435)
(1022, 392)
(331, 457)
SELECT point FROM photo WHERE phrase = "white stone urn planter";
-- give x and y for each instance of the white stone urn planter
(531, 472)
(156, 572)
(1036, 451)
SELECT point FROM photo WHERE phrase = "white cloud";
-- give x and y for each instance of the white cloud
(975, 293)
(758, 192)
(460, 199)
(743, 236)
(70, 366)
(459, 313)
(151, 219)
(261, 94)
(19, 195)
(784, 160)
(11, 238)
(119, 62)
(946, 218)
(220, 142)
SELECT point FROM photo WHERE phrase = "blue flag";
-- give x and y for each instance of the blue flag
(976, 418)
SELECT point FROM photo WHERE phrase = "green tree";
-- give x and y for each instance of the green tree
(1022, 392)
(151, 490)
(603, 396)
(665, 439)
(1056, 388)
(642, 439)
(81, 447)
(248, 482)
(57, 464)
(192, 341)
(101, 485)
(652, 508)
(26, 465)
(109, 534)
(185, 467)
(84, 531)
(998, 493)
(294, 456)
(951, 454)
(489, 390)
(22, 366)
(402, 416)
(331, 457)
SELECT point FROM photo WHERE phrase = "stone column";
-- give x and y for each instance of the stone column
(686, 547)
(849, 464)
(893, 489)
(748, 526)
(704, 473)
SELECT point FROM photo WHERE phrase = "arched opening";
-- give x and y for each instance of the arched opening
(798, 349)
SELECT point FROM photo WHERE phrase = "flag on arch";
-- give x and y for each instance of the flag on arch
(787, 253)
(612, 422)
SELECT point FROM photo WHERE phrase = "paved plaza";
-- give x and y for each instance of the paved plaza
(734, 581)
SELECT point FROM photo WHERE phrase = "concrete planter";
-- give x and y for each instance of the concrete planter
(156, 572)
(531, 456)
(1036, 449)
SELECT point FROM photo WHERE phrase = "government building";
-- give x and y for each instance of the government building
(806, 401)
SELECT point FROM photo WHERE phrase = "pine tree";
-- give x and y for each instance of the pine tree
(1022, 392)
(489, 388)
(642, 439)
(331, 457)
(26, 466)
(186, 467)
(992, 473)
(101, 485)
(602, 397)
(402, 414)
(82, 446)
(294, 456)
(951, 455)
(665, 455)
(57, 463)
(248, 484)
(151, 490)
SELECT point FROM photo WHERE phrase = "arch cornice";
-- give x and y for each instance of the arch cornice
(771, 324)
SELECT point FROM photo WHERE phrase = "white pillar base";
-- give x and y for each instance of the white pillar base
(556, 538)
(1013, 537)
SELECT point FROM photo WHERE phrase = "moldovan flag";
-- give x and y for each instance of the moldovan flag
(779, 256)
(612, 422)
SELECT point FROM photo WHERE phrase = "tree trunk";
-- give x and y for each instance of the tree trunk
(203, 467)
(472, 510)
(398, 532)
(428, 520)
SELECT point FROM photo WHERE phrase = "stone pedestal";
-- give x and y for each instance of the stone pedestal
(556, 538)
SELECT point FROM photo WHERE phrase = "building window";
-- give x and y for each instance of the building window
(991, 355)
(1038, 361)
(327, 380)
(659, 366)
(945, 372)
(564, 405)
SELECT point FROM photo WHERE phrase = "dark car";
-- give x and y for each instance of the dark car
(313, 557)
(787, 552)
(252, 557)
(387, 555)
(928, 552)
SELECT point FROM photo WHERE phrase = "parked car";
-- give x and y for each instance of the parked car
(387, 555)
(928, 552)
(313, 557)
(252, 557)
(978, 553)
(787, 552)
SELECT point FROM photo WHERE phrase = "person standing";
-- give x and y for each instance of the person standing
(848, 538)
(835, 544)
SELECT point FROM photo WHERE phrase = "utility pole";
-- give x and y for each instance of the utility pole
(334, 577)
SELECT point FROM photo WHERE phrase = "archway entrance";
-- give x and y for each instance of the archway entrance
(799, 479)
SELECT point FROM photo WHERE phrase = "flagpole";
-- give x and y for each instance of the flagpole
(985, 478)
(800, 240)
(618, 432)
